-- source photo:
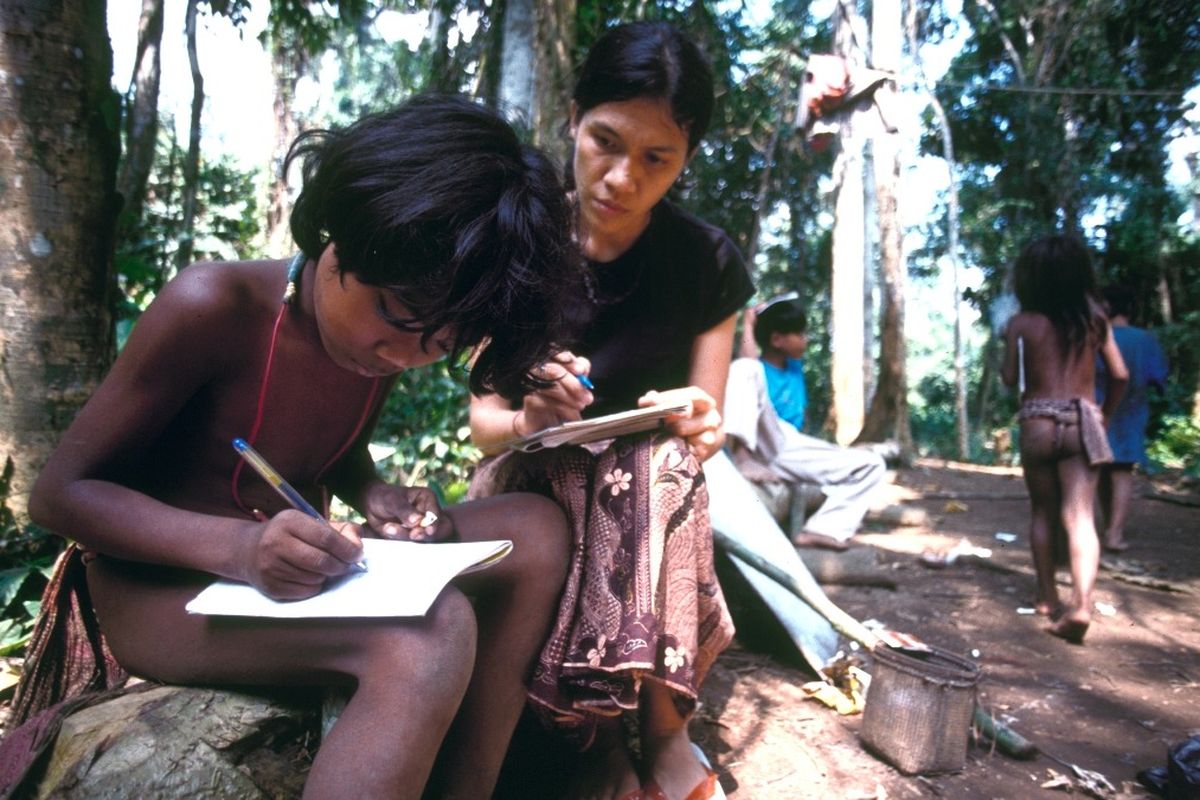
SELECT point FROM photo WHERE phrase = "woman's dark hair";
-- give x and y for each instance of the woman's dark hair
(784, 316)
(438, 201)
(649, 59)
(1054, 277)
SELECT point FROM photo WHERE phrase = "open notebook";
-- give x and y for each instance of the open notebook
(606, 427)
(402, 580)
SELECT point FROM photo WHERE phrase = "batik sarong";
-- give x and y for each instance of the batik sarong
(641, 600)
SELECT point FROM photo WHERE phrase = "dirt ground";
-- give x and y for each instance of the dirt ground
(1113, 705)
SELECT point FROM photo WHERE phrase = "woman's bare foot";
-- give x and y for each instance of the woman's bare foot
(671, 764)
(607, 771)
(1116, 546)
(1071, 626)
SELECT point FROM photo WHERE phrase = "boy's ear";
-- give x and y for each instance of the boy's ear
(573, 121)
(776, 340)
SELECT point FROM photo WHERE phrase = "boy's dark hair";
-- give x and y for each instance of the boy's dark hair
(1054, 277)
(649, 59)
(783, 316)
(438, 201)
(1119, 300)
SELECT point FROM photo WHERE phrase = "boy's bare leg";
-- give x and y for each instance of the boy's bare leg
(1078, 481)
(666, 747)
(1041, 479)
(409, 674)
(1116, 492)
(515, 602)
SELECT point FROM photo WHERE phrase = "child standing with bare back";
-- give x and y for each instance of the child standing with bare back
(1050, 354)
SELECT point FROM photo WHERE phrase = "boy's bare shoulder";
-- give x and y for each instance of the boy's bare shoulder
(217, 289)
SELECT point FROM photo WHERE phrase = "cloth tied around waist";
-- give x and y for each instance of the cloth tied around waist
(1073, 411)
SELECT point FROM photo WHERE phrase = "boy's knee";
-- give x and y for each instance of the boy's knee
(541, 529)
(451, 627)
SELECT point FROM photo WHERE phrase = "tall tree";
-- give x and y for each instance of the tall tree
(58, 162)
(849, 246)
(298, 31)
(191, 161)
(888, 413)
(141, 117)
(536, 52)
(961, 425)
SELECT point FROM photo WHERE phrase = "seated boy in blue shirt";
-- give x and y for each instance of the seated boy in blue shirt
(765, 401)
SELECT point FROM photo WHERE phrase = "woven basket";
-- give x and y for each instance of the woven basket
(918, 711)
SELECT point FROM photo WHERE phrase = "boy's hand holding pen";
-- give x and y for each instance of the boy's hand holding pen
(286, 565)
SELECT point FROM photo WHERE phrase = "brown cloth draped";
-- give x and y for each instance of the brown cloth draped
(641, 601)
(1073, 411)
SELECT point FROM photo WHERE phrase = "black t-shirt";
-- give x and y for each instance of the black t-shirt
(642, 312)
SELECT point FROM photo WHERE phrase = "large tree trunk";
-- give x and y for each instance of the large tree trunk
(141, 120)
(538, 39)
(849, 249)
(287, 67)
(191, 163)
(518, 62)
(58, 160)
(441, 77)
(887, 417)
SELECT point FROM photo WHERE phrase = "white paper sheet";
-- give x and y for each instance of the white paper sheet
(402, 580)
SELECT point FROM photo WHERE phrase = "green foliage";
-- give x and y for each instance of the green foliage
(1177, 444)
(20, 599)
(425, 420)
(226, 226)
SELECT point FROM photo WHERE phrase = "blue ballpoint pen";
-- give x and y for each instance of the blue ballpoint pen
(587, 383)
(285, 489)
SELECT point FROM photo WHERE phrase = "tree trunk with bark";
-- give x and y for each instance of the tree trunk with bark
(849, 248)
(58, 205)
(141, 118)
(288, 64)
(887, 417)
(191, 163)
(538, 40)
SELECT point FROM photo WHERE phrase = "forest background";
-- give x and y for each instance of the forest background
(1006, 121)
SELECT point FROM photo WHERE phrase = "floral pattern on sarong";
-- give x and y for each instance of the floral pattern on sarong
(641, 600)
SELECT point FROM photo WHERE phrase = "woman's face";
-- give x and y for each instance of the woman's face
(356, 325)
(627, 155)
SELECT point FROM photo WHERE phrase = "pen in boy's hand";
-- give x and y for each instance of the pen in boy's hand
(587, 383)
(285, 489)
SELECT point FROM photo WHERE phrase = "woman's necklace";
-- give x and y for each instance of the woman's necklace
(624, 270)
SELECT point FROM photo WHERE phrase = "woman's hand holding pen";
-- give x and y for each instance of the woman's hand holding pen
(407, 512)
(703, 428)
(563, 400)
(293, 555)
